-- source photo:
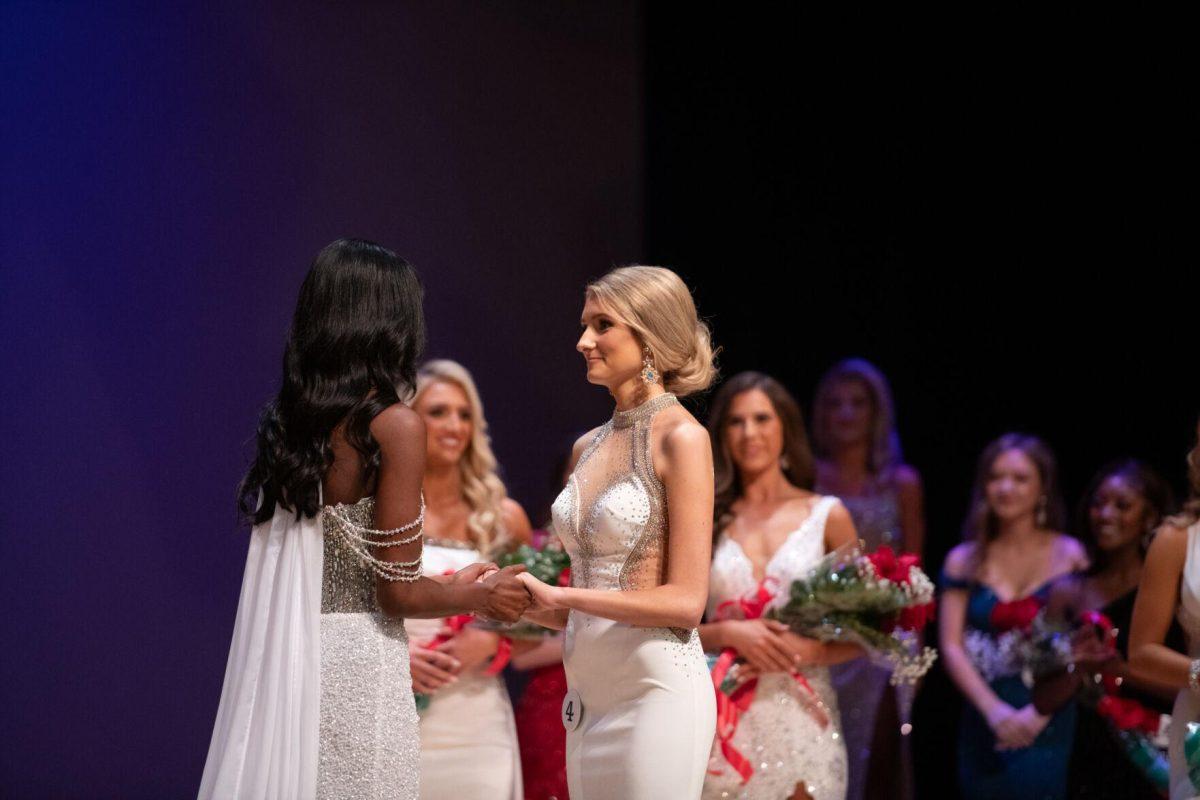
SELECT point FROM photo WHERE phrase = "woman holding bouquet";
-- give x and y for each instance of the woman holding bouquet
(770, 530)
(994, 585)
(1121, 508)
(468, 736)
(1170, 589)
(636, 519)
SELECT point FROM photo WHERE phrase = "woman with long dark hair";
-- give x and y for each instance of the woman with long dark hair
(1170, 590)
(770, 530)
(317, 700)
(993, 583)
(636, 519)
(1123, 504)
(859, 461)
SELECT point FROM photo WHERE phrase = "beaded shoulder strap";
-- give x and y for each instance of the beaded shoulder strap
(359, 540)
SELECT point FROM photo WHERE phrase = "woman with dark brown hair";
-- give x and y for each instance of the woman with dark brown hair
(994, 583)
(1170, 589)
(770, 529)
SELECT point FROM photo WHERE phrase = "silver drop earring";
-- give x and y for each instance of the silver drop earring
(649, 373)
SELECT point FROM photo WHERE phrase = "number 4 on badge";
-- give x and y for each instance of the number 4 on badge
(572, 710)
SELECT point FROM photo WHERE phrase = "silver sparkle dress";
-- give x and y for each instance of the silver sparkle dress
(369, 745)
(648, 708)
(789, 737)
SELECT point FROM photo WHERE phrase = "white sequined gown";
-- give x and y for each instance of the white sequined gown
(468, 734)
(649, 712)
(785, 744)
(368, 739)
(1187, 702)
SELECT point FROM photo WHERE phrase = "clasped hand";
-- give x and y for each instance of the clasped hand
(767, 645)
(1016, 728)
(506, 599)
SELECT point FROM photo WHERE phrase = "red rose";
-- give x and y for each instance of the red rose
(564, 577)
(1128, 714)
(915, 618)
(1015, 614)
(892, 567)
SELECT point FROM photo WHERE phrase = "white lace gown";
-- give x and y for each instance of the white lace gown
(785, 744)
(468, 733)
(1187, 702)
(648, 708)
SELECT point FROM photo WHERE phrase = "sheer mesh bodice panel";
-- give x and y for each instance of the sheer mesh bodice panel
(612, 515)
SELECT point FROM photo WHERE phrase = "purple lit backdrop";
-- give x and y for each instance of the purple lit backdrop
(167, 177)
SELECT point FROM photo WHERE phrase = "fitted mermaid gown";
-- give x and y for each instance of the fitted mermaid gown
(648, 709)
(784, 742)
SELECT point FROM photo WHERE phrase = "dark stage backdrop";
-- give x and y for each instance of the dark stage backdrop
(167, 177)
(1000, 229)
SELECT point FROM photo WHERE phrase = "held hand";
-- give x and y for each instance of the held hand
(507, 597)
(545, 597)
(761, 645)
(806, 651)
(473, 572)
(431, 669)
(471, 647)
(1091, 654)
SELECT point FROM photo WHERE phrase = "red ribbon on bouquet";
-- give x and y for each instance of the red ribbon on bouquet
(730, 707)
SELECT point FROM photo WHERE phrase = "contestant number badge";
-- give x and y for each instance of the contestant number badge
(572, 710)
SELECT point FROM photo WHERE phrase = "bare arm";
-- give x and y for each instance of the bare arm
(911, 496)
(687, 476)
(401, 437)
(952, 621)
(1158, 596)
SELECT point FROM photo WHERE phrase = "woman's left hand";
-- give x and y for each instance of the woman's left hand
(545, 596)
(808, 652)
(472, 647)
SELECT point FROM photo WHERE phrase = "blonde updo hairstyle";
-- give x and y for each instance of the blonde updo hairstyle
(482, 488)
(657, 305)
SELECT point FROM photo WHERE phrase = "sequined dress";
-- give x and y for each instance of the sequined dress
(648, 710)
(369, 743)
(861, 685)
(784, 741)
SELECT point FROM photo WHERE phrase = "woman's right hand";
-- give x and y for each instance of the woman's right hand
(431, 669)
(760, 642)
(506, 597)
(1016, 728)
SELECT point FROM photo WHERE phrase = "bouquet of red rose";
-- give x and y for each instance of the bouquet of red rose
(880, 601)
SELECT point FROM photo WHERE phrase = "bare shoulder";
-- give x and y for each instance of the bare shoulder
(398, 429)
(516, 521)
(1170, 540)
(838, 513)
(677, 428)
(959, 561)
(839, 526)
(1071, 552)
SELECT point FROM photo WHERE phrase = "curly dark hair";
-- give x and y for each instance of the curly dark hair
(1155, 491)
(353, 349)
(799, 471)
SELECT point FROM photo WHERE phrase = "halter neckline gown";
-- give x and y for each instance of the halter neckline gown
(648, 708)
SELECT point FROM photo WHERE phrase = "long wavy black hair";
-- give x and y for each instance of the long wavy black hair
(355, 341)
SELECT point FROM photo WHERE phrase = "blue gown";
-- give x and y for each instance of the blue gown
(1037, 772)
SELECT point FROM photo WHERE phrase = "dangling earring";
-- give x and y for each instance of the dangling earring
(784, 464)
(1041, 512)
(649, 373)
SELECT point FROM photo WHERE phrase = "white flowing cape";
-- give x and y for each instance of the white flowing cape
(264, 742)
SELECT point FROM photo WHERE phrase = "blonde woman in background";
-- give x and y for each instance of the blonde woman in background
(468, 736)
(636, 519)
(859, 461)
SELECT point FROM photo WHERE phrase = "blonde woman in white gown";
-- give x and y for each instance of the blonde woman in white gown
(468, 734)
(317, 700)
(1170, 587)
(636, 518)
(772, 530)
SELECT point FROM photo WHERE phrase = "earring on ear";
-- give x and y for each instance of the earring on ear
(649, 373)
(1041, 512)
(784, 464)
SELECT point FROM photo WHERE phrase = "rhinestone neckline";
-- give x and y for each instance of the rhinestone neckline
(624, 419)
